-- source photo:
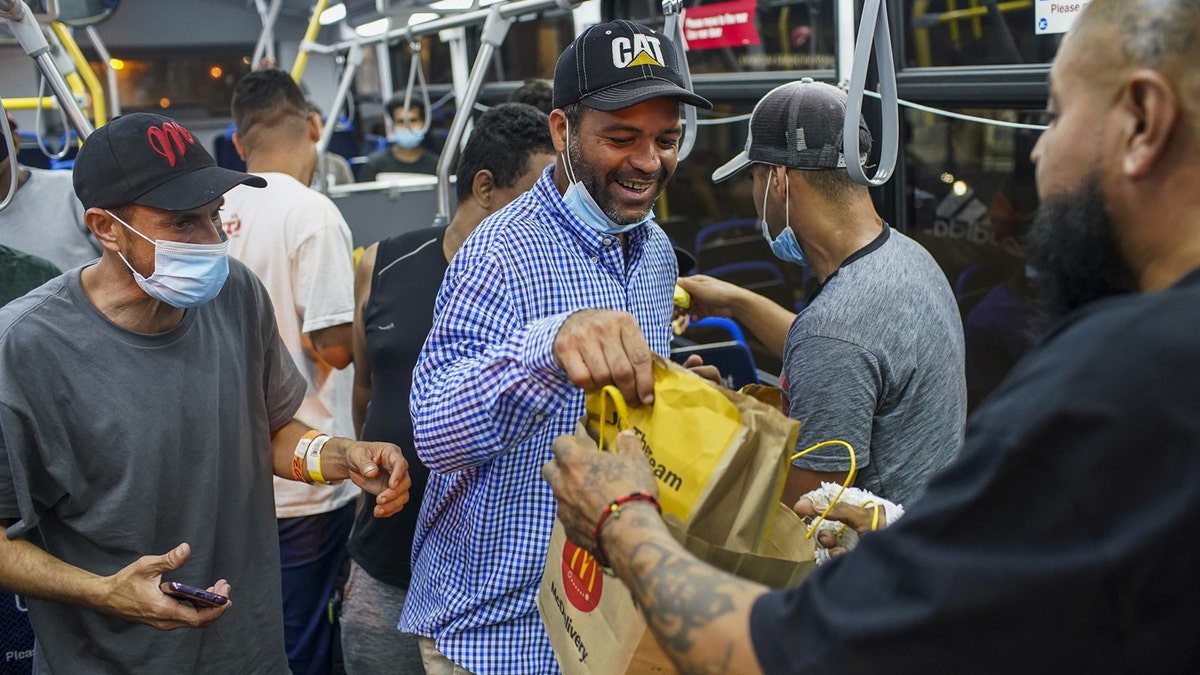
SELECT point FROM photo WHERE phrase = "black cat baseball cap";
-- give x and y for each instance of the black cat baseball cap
(615, 65)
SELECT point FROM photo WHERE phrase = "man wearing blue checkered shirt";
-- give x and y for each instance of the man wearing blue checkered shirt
(568, 288)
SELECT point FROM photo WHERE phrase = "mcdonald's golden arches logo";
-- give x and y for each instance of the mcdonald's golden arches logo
(583, 581)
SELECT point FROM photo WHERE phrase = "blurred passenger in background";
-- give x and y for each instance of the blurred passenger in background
(536, 92)
(337, 168)
(296, 241)
(44, 218)
(999, 329)
(396, 284)
(406, 135)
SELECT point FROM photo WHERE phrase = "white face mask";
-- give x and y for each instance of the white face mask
(407, 138)
(785, 246)
(185, 275)
(584, 206)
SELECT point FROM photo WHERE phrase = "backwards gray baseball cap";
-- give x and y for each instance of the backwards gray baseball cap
(797, 125)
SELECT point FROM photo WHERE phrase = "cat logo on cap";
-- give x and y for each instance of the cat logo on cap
(644, 50)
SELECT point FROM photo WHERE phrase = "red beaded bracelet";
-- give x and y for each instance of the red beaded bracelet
(614, 510)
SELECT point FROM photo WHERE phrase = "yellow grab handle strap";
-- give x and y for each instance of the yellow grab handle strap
(609, 392)
(846, 484)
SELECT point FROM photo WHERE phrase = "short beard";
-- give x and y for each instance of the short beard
(1073, 249)
(587, 176)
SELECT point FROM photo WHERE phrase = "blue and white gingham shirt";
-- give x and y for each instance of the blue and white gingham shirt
(488, 399)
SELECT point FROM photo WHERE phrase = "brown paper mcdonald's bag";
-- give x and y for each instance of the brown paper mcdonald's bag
(596, 627)
(720, 458)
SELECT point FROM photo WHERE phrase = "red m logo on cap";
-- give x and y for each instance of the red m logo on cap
(169, 140)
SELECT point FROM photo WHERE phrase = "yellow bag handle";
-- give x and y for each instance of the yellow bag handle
(610, 392)
(874, 517)
(846, 484)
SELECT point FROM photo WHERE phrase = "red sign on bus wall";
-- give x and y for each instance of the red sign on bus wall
(725, 24)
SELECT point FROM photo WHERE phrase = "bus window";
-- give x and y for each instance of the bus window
(744, 36)
(950, 33)
(532, 47)
(186, 83)
(971, 198)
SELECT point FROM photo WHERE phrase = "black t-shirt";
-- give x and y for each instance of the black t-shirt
(397, 318)
(384, 161)
(1061, 540)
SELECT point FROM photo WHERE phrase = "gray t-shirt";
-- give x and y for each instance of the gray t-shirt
(120, 444)
(45, 219)
(876, 359)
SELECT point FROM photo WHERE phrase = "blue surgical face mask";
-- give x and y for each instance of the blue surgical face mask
(579, 200)
(785, 246)
(407, 138)
(185, 275)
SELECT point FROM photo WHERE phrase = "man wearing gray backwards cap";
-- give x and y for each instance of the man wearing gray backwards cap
(568, 288)
(145, 401)
(876, 356)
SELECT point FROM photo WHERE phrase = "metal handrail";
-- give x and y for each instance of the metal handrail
(314, 27)
(33, 41)
(12, 158)
(110, 73)
(94, 88)
(353, 60)
(495, 28)
(266, 38)
(496, 21)
(509, 10)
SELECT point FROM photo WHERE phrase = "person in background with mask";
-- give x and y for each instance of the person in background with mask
(337, 168)
(161, 402)
(405, 152)
(568, 288)
(44, 218)
(876, 356)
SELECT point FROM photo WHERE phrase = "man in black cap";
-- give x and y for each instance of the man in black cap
(567, 288)
(145, 401)
(876, 357)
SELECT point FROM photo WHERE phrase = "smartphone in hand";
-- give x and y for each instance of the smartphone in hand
(197, 596)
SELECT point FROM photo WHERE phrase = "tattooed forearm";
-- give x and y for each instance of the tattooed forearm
(700, 614)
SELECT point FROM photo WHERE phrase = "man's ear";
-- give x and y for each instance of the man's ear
(782, 181)
(102, 227)
(1150, 110)
(237, 145)
(483, 188)
(558, 130)
(314, 127)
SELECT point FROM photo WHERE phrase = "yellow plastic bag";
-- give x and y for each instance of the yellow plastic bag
(720, 457)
